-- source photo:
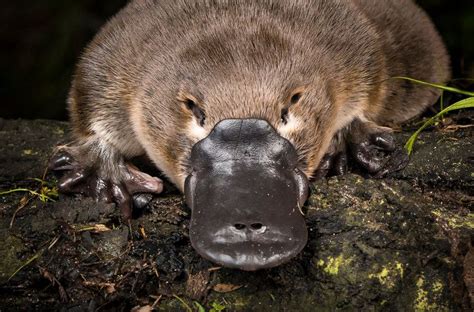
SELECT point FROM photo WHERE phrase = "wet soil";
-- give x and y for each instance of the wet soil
(403, 243)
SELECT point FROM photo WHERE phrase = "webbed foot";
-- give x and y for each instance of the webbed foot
(369, 146)
(109, 181)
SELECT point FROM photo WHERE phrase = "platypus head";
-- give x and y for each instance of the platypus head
(246, 194)
(239, 124)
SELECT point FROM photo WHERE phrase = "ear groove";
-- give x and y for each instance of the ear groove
(198, 113)
(284, 115)
(293, 100)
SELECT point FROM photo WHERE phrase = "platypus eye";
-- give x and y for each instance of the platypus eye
(293, 100)
(198, 113)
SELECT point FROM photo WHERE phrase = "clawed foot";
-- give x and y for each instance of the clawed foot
(370, 146)
(117, 182)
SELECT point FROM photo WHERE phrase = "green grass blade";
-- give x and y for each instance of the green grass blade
(466, 103)
(438, 86)
(42, 197)
(14, 191)
(28, 262)
(185, 305)
(199, 306)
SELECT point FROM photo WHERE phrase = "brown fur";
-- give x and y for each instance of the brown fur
(239, 59)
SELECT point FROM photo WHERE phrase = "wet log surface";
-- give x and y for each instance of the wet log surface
(403, 243)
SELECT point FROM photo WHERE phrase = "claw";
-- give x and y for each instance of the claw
(103, 191)
(61, 161)
(123, 201)
(332, 165)
(69, 182)
(340, 164)
(384, 140)
(324, 167)
(140, 182)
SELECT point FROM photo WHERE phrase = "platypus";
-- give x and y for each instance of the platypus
(240, 104)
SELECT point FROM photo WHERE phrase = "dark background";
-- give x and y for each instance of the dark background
(41, 41)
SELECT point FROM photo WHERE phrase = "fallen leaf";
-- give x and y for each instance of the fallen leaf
(146, 308)
(110, 289)
(225, 288)
(96, 228)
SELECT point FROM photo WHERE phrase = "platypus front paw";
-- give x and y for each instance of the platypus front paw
(374, 149)
(333, 163)
(367, 145)
(117, 182)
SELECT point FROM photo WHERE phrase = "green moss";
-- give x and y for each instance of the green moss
(319, 202)
(421, 302)
(399, 267)
(438, 286)
(29, 152)
(469, 222)
(427, 295)
(332, 265)
(455, 221)
(389, 274)
(382, 275)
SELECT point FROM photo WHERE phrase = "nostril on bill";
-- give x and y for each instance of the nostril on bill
(239, 226)
(256, 227)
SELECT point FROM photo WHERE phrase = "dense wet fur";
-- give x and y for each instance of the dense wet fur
(241, 59)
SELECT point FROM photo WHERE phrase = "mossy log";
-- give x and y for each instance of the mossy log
(403, 243)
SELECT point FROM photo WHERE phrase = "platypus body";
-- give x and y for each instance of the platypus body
(240, 103)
